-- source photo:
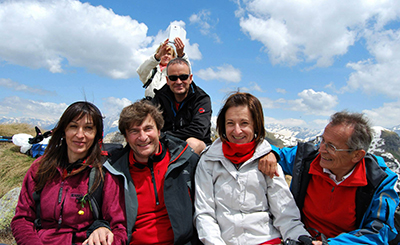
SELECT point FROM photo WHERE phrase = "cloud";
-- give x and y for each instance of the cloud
(311, 102)
(226, 72)
(112, 106)
(281, 91)
(253, 87)
(10, 84)
(59, 35)
(380, 75)
(19, 107)
(288, 122)
(385, 116)
(312, 31)
(203, 20)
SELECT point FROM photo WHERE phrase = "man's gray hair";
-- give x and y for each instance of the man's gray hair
(178, 61)
(362, 134)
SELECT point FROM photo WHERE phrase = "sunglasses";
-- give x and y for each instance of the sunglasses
(182, 77)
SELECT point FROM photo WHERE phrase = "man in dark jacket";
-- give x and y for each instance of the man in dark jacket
(186, 107)
(158, 172)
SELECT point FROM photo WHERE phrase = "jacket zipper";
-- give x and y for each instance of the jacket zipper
(62, 204)
(153, 179)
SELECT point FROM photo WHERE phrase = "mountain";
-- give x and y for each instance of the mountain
(396, 129)
(43, 124)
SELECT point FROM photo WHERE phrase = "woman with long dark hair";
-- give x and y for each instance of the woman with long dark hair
(56, 205)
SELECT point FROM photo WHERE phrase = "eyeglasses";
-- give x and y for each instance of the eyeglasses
(329, 147)
(182, 77)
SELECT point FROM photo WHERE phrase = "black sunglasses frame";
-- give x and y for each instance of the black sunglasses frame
(182, 77)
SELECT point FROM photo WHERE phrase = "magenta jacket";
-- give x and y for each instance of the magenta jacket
(64, 208)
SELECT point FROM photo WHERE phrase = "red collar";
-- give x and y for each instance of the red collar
(357, 178)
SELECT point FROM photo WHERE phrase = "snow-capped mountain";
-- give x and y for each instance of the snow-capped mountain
(396, 129)
(43, 124)
(289, 136)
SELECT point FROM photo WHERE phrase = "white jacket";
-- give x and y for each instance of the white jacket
(159, 79)
(236, 206)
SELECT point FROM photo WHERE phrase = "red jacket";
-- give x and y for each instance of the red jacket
(65, 208)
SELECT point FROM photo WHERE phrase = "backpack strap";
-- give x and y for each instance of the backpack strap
(96, 198)
(153, 73)
(36, 198)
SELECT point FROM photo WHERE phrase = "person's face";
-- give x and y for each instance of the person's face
(166, 57)
(179, 87)
(239, 126)
(79, 136)
(143, 139)
(338, 162)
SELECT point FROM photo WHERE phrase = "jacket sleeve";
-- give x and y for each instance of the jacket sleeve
(22, 225)
(287, 156)
(283, 208)
(144, 70)
(205, 217)
(377, 226)
(201, 121)
(113, 207)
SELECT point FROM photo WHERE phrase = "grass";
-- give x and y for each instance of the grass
(13, 165)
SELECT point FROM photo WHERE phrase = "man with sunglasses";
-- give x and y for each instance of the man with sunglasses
(342, 191)
(186, 107)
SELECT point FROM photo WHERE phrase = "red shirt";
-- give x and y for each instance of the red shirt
(331, 208)
(152, 224)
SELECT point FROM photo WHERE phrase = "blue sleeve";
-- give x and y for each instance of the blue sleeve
(287, 156)
(377, 226)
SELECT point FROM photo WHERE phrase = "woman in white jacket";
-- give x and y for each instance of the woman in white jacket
(236, 203)
(154, 67)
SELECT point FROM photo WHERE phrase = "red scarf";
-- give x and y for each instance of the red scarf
(238, 153)
(162, 67)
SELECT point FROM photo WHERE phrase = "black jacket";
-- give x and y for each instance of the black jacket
(178, 188)
(192, 119)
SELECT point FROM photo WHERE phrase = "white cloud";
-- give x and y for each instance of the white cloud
(312, 31)
(382, 74)
(62, 34)
(253, 87)
(267, 103)
(206, 24)
(112, 106)
(226, 72)
(10, 84)
(311, 102)
(19, 107)
(288, 122)
(281, 91)
(385, 116)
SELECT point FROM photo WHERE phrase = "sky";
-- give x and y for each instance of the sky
(303, 59)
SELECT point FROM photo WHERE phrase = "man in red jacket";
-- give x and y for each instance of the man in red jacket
(158, 172)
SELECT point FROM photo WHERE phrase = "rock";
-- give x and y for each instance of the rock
(115, 137)
(7, 209)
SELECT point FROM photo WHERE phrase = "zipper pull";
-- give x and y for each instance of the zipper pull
(60, 192)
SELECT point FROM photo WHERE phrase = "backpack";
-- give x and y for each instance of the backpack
(95, 199)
